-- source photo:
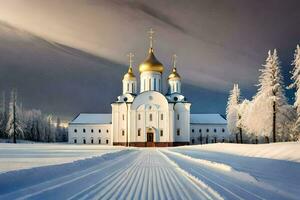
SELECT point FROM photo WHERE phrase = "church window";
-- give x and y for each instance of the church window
(99, 130)
(144, 84)
(150, 117)
(223, 130)
(161, 117)
(99, 141)
(158, 84)
(139, 132)
(83, 130)
(92, 141)
(123, 117)
(107, 131)
(177, 87)
(193, 130)
(127, 87)
(193, 141)
(154, 84)
(177, 116)
(139, 116)
(132, 87)
(84, 142)
(161, 133)
(207, 130)
(175, 98)
(106, 141)
(178, 131)
(92, 130)
(149, 86)
(215, 130)
(75, 141)
(123, 132)
(200, 130)
(75, 130)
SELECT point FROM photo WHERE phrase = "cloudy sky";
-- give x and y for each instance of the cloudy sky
(60, 54)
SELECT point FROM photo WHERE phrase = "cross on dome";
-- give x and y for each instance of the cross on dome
(151, 35)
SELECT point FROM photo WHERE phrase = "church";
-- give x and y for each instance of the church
(147, 117)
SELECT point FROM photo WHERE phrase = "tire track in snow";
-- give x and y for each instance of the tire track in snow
(59, 182)
(207, 175)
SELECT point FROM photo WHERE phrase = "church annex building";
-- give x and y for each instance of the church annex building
(149, 118)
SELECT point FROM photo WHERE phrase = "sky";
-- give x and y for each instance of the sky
(66, 56)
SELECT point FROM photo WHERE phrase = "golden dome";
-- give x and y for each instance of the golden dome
(174, 75)
(129, 76)
(151, 64)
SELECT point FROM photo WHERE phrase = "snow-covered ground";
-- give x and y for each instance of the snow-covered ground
(158, 173)
(23, 156)
(289, 151)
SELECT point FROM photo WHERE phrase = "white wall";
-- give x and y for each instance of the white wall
(75, 132)
(219, 134)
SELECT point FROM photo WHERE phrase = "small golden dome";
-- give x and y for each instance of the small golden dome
(174, 75)
(151, 64)
(129, 76)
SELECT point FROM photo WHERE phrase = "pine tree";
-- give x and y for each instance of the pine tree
(3, 117)
(232, 111)
(270, 110)
(14, 125)
(296, 84)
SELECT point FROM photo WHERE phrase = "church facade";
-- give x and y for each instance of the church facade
(148, 117)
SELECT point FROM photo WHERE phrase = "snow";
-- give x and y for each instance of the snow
(92, 118)
(23, 156)
(216, 171)
(288, 151)
(207, 119)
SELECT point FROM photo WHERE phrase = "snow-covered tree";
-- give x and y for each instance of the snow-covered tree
(270, 111)
(296, 84)
(14, 126)
(3, 117)
(232, 113)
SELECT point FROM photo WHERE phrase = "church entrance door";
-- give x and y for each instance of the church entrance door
(150, 142)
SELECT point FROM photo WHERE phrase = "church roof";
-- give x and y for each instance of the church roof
(92, 118)
(207, 119)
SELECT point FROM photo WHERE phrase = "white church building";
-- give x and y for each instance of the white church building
(148, 117)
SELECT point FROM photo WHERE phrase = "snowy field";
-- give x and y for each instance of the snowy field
(214, 171)
(23, 156)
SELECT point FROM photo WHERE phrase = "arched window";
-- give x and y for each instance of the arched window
(139, 116)
(127, 87)
(84, 142)
(99, 141)
(106, 141)
(193, 130)
(177, 116)
(99, 130)
(139, 132)
(200, 130)
(154, 83)
(207, 130)
(223, 130)
(92, 130)
(215, 130)
(123, 117)
(161, 116)
(107, 131)
(178, 132)
(123, 132)
(83, 130)
(150, 117)
(132, 88)
(161, 133)
(149, 86)
(75, 141)
(92, 141)
(75, 130)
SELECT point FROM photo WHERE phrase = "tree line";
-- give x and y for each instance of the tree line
(17, 123)
(268, 117)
